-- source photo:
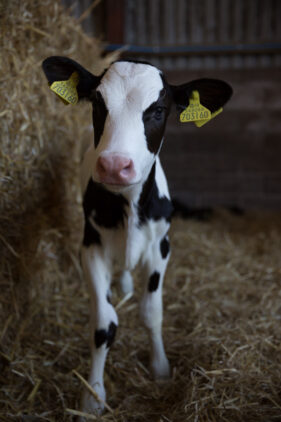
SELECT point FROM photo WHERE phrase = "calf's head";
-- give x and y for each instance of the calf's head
(131, 102)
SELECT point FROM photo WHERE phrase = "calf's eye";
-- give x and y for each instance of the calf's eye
(158, 112)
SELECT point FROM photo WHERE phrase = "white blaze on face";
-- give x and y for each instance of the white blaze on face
(128, 89)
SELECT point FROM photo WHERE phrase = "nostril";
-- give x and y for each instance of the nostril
(102, 165)
(127, 168)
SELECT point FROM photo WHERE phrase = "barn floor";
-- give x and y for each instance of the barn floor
(221, 329)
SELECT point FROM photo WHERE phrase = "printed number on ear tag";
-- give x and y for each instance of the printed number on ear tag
(200, 123)
(66, 90)
(195, 111)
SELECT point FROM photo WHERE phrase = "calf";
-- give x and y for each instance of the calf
(126, 201)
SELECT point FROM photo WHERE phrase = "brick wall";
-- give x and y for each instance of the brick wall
(234, 160)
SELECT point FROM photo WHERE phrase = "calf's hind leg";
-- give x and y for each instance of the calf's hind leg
(103, 322)
(151, 312)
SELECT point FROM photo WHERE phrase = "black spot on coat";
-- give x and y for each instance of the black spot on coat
(100, 113)
(107, 209)
(103, 336)
(111, 334)
(151, 206)
(100, 338)
(155, 118)
(164, 247)
(91, 235)
(153, 282)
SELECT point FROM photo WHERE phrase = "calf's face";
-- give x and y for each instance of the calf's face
(130, 109)
(131, 102)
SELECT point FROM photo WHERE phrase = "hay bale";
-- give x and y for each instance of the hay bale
(40, 141)
(40, 205)
(222, 289)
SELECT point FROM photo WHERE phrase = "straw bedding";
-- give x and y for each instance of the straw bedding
(221, 329)
(222, 288)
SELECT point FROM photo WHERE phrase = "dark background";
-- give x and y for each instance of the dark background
(234, 160)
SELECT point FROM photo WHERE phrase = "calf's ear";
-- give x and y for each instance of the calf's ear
(213, 93)
(58, 68)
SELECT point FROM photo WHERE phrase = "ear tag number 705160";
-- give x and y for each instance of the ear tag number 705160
(196, 112)
(66, 90)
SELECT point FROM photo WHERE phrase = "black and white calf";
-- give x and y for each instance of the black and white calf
(126, 200)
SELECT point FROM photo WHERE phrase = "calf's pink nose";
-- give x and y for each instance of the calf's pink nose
(115, 169)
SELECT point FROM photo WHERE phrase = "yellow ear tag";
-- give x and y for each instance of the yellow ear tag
(195, 111)
(66, 90)
(200, 123)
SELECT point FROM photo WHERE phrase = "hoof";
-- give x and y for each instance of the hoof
(91, 405)
(161, 369)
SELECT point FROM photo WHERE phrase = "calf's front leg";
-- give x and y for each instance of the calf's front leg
(103, 322)
(155, 263)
